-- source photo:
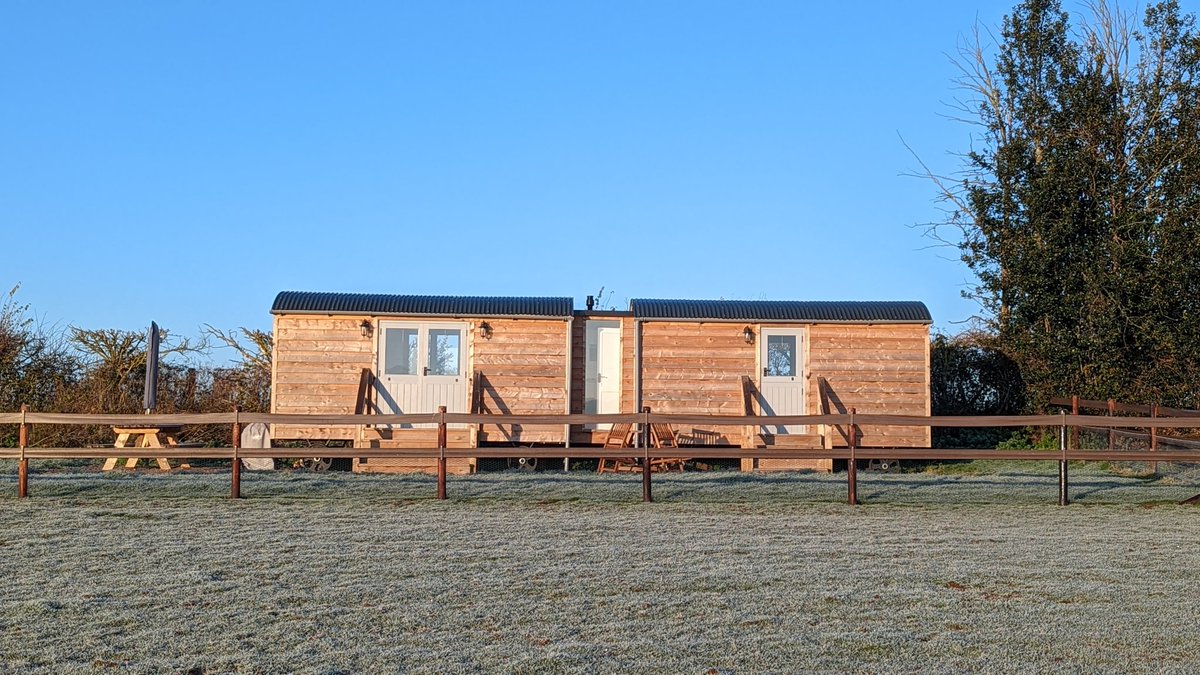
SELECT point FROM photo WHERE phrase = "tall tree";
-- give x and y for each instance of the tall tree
(1077, 207)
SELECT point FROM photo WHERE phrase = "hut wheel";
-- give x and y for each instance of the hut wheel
(316, 463)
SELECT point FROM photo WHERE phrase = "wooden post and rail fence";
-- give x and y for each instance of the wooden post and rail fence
(851, 453)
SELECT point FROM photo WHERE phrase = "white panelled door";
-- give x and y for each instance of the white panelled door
(421, 366)
(782, 384)
(602, 376)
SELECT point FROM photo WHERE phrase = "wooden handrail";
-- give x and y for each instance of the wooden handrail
(823, 408)
(748, 408)
(365, 380)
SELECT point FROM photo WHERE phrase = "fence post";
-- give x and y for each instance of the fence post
(852, 466)
(235, 483)
(1074, 428)
(1063, 498)
(23, 465)
(644, 438)
(1112, 435)
(441, 441)
(1153, 437)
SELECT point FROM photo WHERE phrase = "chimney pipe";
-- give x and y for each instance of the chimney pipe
(591, 302)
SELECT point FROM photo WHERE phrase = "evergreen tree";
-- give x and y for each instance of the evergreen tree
(1077, 210)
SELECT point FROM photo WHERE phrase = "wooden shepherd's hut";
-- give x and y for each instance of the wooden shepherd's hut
(390, 354)
(767, 357)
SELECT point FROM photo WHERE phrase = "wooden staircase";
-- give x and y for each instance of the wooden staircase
(754, 437)
(383, 437)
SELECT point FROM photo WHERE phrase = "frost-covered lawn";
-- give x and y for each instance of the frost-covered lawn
(552, 572)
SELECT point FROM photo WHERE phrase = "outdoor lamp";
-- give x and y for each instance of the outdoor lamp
(365, 326)
(748, 335)
(485, 330)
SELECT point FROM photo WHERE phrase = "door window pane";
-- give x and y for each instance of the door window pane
(781, 355)
(444, 347)
(400, 351)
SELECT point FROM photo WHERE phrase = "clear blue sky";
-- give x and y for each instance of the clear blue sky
(185, 161)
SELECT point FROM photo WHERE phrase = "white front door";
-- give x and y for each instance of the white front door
(602, 376)
(421, 366)
(782, 384)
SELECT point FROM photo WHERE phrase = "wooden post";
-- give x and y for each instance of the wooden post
(852, 466)
(23, 465)
(235, 483)
(441, 441)
(1075, 428)
(1063, 496)
(1153, 437)
(644, 440)
(1112, 436)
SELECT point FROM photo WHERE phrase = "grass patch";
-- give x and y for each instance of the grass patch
(570, 573)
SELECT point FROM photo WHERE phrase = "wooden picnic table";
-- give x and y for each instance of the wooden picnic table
(144, 437)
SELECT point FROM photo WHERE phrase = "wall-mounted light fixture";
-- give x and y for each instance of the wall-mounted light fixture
(366, 328)
(748, 335)
(485, 331)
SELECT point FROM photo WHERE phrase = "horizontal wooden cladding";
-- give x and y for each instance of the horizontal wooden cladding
(507, 385)
(864, 368)
(484, 361)
(523, 366)
(314, 401)
(306, 321)
(538, 333)
(325, 345)
(301, 433)
(321, 370)
(506, 434)
(360, 359)
(867, 331)
(354, 335)
(685, 382)
(919, 390)
(690, 367)
(524, 389)
(303, 384)
(892, 344)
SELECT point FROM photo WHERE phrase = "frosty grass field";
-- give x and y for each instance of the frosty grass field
(571, 573)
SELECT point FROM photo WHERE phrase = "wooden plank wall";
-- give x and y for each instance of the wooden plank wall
(316, 368)
(525, 366)
(881, 369)
(690, 367)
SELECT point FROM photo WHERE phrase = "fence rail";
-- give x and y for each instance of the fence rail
(861, 419)
(852, 421)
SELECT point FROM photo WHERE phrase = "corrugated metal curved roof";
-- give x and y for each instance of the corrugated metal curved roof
(783, 310)
(377, 304)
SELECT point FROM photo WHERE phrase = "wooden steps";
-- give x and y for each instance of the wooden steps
(791, 442)
(412, 438)
(455, 465)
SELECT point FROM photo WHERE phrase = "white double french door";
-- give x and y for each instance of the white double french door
(421, 366)
(783, 382)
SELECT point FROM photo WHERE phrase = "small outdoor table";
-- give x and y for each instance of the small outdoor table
(144, 437)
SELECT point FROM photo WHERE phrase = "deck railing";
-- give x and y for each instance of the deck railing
(851, 421)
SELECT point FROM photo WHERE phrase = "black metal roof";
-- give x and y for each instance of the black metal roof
(783, 310)
(376, 304)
